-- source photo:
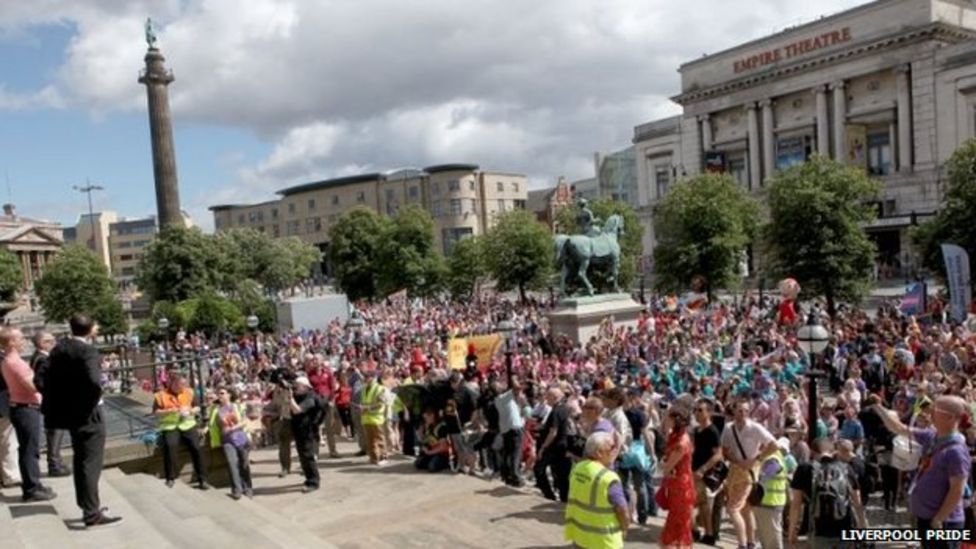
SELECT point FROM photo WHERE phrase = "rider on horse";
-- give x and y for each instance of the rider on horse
(589, 223)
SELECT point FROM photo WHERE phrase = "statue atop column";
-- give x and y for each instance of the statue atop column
(150, 34)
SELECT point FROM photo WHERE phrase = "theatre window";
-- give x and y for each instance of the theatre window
(737, 167)
(662, 180)
(879, 151)
(793, 150)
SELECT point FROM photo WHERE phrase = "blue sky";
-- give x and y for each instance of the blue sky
(271, 93)
(45, 151)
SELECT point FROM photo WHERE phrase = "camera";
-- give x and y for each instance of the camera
(282, 377)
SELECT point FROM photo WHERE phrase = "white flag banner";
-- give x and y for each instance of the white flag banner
(957, 277)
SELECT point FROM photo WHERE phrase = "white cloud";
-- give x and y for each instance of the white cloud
(46, 97)
(338, 86)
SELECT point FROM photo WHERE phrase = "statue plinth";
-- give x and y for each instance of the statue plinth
(579, 318)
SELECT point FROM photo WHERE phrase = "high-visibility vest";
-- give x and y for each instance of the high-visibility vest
(371, 395)
(774, 488)
(591, 521)
(174, 421)
(213, 424)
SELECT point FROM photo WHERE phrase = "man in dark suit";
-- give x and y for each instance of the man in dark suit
(43, 343)
(72, 401)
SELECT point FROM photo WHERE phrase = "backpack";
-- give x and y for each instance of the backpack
(831, 491)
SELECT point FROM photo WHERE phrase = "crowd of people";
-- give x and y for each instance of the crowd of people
(699, 413)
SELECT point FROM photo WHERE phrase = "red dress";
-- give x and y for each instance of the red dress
(681, 494)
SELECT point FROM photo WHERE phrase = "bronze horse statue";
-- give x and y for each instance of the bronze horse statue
(575, 253)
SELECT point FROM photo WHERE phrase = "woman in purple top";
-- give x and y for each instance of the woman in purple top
(937, 492)
(227, 431)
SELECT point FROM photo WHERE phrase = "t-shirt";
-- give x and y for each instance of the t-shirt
(303, 422)
(752, 436)
(509, 414)
(706, 440)
(558, 420)
(825, 525)
(932, 483)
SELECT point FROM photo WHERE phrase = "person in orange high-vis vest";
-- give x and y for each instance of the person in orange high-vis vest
(175, 410)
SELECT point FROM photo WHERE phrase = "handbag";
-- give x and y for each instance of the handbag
(715, 476)
(757, 492)
(661, 496)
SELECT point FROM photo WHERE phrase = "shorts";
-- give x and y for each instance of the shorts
(737, 488)
(703, 496)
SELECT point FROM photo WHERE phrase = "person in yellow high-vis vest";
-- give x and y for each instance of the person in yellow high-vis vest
(372, 407)
(597, 514)
(774, 477)
(175, 409)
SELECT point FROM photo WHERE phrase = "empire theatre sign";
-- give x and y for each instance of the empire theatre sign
(794, 49)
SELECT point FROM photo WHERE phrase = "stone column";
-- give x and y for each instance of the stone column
(156, 79)
(768, 138)
(754, 149)
(25, 267)
(895, 143)
(706, 125)
(840, 121)
(904, 115)
(823, 125)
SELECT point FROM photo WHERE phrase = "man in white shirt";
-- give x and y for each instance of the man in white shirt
(745, 444)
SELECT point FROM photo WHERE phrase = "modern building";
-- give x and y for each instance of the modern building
(616, 176)
(462, 199)
(92, 231)
(889, 86)
(128, 239)
(33, 241)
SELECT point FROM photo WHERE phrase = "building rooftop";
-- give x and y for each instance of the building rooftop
(657, 128)
(330, 183)
(451, 168)
(222, 207)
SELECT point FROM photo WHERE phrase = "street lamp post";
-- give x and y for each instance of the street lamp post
(88, 189)
(163, 325)
(813, 339)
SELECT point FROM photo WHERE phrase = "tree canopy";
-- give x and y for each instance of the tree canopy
(702, 228)
(181, 263)
(355, 251)
(631, 242)
(816, 235)
(519, 252)
(467, 267)
(954, 223)
(78, 282)
(11, 276)
(408, 258)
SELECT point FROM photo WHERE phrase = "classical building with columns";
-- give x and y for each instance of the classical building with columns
(33, 241)
(889, 86)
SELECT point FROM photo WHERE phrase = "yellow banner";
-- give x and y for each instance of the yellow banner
(457, 349)
(857, 146)
(485, 348)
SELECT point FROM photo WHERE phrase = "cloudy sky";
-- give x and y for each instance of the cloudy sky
(270, 93)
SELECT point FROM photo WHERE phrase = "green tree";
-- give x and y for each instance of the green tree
(408, 258)
(11, 277)
(299, 257)
(247, 296)
(354, 252)
(815, 234)
(212, 314)
(181, 263)
(78, 282)
(467, 267)
(702, 228)
(519, 252)
(111, 317)
(631, 242)
(953, 224)
(275, 263)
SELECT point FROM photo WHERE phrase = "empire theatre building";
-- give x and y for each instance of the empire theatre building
(889, 86)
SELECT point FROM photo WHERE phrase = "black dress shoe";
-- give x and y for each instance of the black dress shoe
(170, 483)
(204, 486)
(42, 494)
(102, 519)
(308, 489)
(63, 472)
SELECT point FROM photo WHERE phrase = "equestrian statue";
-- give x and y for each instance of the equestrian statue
(597, 247)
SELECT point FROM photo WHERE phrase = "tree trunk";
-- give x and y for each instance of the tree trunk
(522, 293)
(829, 295)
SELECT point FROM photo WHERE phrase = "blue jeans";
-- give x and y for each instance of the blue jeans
(638, 479)
(432, 463)
(925, 525)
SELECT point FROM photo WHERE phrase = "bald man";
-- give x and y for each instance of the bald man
(943, 470)
(54, 438)
(554, 436)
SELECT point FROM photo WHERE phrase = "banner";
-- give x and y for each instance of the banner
(485, 348)
(457, 350)
(957, 276)
(857, 140)
(913, 303)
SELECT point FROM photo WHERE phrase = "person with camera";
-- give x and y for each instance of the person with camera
(279, 413)
(175, 407)
(307, 413)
